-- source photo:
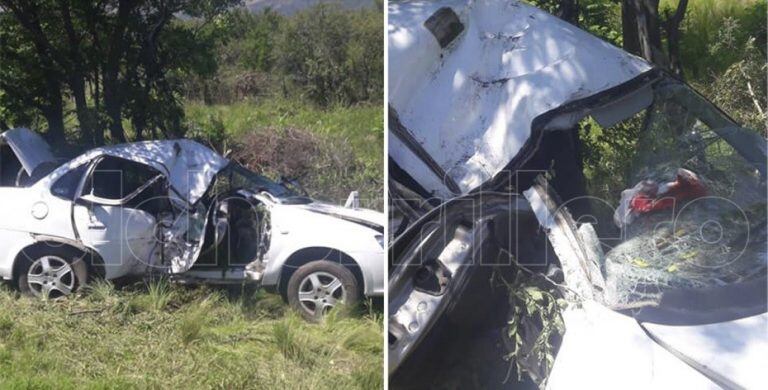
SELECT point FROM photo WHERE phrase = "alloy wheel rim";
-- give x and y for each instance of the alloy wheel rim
(51, 277)
(320, 292)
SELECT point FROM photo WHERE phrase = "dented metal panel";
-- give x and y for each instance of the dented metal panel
(190, 166)
(470, 105)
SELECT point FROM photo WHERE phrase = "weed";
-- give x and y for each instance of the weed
(180, 337)
(332, 151)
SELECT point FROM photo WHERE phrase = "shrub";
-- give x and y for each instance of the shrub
(287, 151)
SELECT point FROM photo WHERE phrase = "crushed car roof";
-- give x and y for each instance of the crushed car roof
(189, 165)
(467, 82)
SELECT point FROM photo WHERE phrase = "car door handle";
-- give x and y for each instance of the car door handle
(97, 226)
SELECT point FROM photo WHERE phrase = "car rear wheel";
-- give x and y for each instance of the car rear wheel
(51, 275)
(320, 286)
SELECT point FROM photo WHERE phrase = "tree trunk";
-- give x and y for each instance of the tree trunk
(642, 32)
(672, 26)
(629, 27)
(114, 108)
(113, 102)
(54, 115)
(568, 10)
(76, 78)
(84, 115)
(139, 124)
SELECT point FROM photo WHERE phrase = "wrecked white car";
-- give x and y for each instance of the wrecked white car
(176, 208)
(497, 115)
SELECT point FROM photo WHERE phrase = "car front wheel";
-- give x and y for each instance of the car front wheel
(319, 286)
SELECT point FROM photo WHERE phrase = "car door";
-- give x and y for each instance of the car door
(114, 212)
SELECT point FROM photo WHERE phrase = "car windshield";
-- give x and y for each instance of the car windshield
(675, 193)
(241, 177)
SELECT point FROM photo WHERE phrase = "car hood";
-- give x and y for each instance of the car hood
(643, 356)
(369, 218)
(29, 147)
(732, 353)
(463, 100)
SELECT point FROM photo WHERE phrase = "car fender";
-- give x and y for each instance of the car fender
(294, 229)
(12, 242)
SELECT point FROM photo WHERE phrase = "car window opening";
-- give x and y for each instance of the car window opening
(674, 203)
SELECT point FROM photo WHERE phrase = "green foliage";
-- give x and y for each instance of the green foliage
(346, 143)
(325, 55)
(535, 325)
(114, 61)
(260, 42)
(334, 56)
(202, 338)
(600, 17)
(714, 31)
(607, 154)
(730, 68)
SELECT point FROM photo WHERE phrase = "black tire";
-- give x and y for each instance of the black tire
(58, 276)
(324, 270)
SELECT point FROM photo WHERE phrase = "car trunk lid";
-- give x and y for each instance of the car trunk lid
(29, 147)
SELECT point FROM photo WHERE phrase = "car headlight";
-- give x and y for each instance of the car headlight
(380, 240)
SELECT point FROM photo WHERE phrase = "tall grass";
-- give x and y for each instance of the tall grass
(190, 338)
(703, 25)
(349, 141)
(362, 125)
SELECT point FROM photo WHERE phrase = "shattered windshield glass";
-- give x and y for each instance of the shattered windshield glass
(675, 192)
(241, 177)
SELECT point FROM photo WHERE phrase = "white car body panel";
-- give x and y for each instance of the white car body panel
(470, 106)
(12, 242)
(119, 233)
(295, 227)
(736, 350)
(603, 349)
(17, 222)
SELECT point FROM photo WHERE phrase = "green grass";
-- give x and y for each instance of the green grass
(350, 141)
(703, 26)
(361, 126)
(171, 336)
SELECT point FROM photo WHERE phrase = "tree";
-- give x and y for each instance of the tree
(643, 30)
(334, 56)
(108, 57)
(28, 76)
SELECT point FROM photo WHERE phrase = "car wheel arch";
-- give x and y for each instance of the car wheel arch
(307, 255)
(94, 261)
